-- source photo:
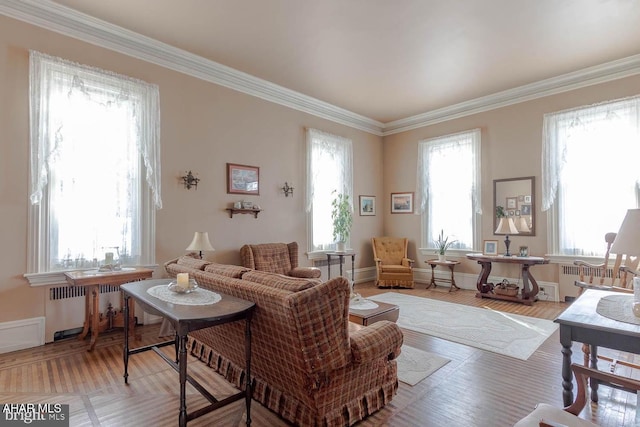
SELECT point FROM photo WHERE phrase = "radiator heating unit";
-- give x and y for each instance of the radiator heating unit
(65, 309)
(568, 275)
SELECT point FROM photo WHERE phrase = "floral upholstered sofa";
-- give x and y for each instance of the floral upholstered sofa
(307, 365)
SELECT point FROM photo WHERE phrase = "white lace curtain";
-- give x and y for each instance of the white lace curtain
(50, 75)
(456, 146)
(329, 163)
(560, 128)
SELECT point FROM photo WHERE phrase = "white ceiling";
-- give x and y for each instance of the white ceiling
(384, 59)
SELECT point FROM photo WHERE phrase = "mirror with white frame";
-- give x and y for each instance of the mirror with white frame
(516, 197)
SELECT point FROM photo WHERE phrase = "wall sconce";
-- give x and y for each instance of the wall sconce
(287, 190)
(190, 181)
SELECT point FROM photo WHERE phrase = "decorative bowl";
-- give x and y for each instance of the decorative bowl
(173, 287)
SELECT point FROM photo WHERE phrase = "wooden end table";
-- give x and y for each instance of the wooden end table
(91, 280)
(184, 319)
(451, 265)
(341, 256)
(384, 311)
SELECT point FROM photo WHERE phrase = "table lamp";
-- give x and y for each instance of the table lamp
(506, 226)
(200, 243)
(522, 225)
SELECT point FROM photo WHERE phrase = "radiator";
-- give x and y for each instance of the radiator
(568, 275)
(64, 307)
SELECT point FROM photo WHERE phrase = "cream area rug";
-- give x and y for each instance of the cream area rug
(504, 333)
(415, 365)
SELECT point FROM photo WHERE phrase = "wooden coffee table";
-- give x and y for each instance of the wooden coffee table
(384, 311)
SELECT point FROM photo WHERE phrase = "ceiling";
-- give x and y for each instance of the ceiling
(383, 59)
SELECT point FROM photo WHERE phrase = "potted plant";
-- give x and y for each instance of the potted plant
(442, 244)
(342, 220)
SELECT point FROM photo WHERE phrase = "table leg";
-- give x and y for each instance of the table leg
(182, 367)
(594, 383)
(567, 375)
(87, 314)
(248, 386)
(353, 269)
(528, 292)
(95, 315)
(341, 260)
(328, 266)
(453, 280)
(433, 277)
(481, 284)
(126, 339)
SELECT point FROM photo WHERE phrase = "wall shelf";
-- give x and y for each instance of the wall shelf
(232, 211)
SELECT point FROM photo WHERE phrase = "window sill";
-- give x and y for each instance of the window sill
(57, 278)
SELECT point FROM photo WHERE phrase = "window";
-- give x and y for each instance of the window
(448, 189)
(329, 171)
(95, 166)
(590, 173)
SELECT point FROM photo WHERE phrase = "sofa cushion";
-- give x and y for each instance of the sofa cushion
(272, 257)
(227, 270)
(187, 261)
(280, 281)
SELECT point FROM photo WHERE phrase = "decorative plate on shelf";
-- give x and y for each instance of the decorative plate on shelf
(174, 287)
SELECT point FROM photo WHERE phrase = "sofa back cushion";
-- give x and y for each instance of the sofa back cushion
(279, 281)
(190, 262)
(271, 257)
(226, 270)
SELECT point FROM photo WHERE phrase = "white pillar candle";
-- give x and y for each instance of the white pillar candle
(183, 280)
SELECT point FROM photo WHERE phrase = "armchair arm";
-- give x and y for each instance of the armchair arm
(381, 339)
(407, 262)
(585, 285)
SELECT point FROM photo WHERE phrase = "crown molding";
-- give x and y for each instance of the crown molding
(61, 19)
(602, 73)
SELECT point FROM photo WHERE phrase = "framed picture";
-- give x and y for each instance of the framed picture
(243, 179)
(402, 203)
(525, 209)
(367, 205)
(524, 251)
(512, 202)
(527, 199)
(490, 247)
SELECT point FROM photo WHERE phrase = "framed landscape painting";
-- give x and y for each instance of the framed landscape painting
(367, 205)
(243, 179)
(402, 203)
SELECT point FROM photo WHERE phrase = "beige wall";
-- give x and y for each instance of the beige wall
(204, 126)
(511, 147)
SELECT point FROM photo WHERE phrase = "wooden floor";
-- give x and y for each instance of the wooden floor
(477, 388)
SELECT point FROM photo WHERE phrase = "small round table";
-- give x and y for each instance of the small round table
(451, 264)
(341, 256)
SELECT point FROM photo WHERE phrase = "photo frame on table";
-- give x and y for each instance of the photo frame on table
(367, 205)
(402, 203)
(490, 247)
(243, 179)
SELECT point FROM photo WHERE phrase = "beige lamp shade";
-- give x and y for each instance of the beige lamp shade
(506, 226)
(522, 225)
(200, 243)
(627, 240)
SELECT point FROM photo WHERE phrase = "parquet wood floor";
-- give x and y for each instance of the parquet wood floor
(477, 388)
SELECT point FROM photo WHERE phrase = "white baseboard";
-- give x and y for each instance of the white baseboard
(21, 334)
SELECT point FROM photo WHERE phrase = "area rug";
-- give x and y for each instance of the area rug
(415, 365)
(504, 333)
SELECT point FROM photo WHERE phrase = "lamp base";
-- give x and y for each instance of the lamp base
(507, 242)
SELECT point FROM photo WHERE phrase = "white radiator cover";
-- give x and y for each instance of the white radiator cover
(64, 307)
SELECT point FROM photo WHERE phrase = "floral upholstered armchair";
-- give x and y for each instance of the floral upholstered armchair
(281, 258)
(393, 268)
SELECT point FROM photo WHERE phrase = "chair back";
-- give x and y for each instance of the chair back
(619, 276)
(390, 250)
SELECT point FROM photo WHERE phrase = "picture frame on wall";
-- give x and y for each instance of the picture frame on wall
(367, 205)
(401, 203)
(243, 179)
(490, 247)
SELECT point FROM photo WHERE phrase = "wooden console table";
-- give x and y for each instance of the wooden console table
(91, 280)
(184, 319)
(528, 293)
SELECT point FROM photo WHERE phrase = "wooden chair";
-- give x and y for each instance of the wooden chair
(618, 278)
(545, 415)
(393, 268)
